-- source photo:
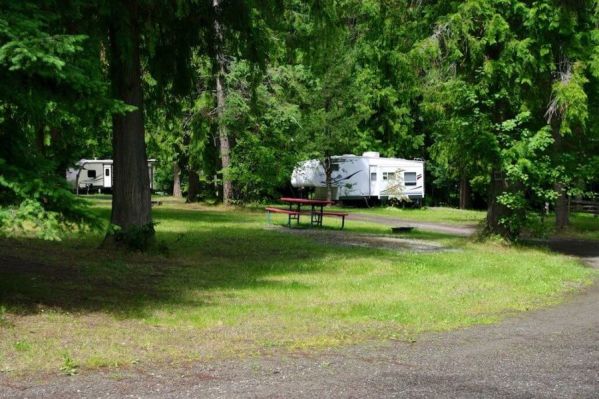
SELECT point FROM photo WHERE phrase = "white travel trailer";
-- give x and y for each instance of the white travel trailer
(96, 174)
(368, 176)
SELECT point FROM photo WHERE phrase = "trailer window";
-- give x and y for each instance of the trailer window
(335, 167)
(91, 174)
(409, 178)
(107, 172)
(373, 176)
(388, 175)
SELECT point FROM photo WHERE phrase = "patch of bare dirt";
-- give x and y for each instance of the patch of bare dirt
(459, 230)
(330, 237)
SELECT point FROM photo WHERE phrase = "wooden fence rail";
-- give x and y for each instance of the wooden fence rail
(584, 206)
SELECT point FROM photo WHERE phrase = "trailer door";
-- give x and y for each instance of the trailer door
(374, 177)
(107, 176)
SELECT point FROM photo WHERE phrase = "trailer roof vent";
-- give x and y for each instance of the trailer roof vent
(371, 154)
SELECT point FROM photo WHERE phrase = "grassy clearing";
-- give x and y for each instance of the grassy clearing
(232, 287)
(583, 225)
(431, 214)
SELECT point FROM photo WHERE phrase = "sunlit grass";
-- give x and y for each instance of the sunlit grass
(582, 226)
(232, 286)
(427, 214)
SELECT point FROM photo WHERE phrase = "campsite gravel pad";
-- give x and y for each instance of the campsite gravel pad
(330, 237)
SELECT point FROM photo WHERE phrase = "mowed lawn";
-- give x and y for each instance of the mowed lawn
(431, 214)
(582, 225)
(230, 285)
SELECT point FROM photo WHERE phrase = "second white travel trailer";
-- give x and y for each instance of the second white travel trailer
(368, 176)
(96, 174)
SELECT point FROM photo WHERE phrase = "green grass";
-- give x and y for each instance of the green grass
(231, 286)
(430, 214)
(582, 226)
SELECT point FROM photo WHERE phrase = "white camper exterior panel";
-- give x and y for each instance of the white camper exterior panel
(97, 174)
(365, 176)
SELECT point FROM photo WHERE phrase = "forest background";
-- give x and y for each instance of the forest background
(499, 97)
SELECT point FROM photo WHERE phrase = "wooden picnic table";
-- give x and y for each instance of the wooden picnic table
(316, 211)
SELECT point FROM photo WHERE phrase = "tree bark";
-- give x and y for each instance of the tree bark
(562, 210)
(328, 172)
(131, 201)
(177, 193)
(193, 190)
(464, 192)
(495, 210)
(223, 134)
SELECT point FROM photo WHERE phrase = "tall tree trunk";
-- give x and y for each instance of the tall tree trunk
(131, 201)
(328, 172)
(464, 192)
(223, 135)
(495, 210)
(329, 185)
(562, 210)
(177, 193)
(193, 190)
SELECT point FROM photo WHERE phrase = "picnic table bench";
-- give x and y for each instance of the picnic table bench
(316, 212)
(293, 215)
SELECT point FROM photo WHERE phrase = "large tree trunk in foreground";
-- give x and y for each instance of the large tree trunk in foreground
(495, 210)
(177, 193)
(193, 191)
(464, 192)
(223, 135)
(131, 201)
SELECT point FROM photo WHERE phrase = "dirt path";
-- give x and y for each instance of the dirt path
(330, 237)
(461, 230)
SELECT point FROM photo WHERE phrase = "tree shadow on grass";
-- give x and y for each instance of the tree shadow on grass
(204, 216)
(224, 253)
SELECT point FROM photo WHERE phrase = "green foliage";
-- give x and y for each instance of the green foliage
(39, 202)
(266, 123)
(53, 97)
(137, 238)
(22, 346)
(69, 367)
(478, 88)
(491, 68)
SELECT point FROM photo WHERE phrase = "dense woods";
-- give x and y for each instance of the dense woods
(500, 98)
